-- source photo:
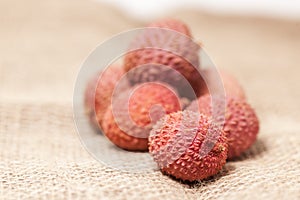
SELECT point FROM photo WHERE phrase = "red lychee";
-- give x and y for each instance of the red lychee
(155, 48)
(172, 24)
(241, 124)
(188, 146)
(99, 91)
(129, 119)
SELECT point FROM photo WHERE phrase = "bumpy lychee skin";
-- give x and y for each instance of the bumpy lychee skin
(128, 121)
(188, 146)
(99, 91)
(241, 124)
(172, 48)
(231, 86)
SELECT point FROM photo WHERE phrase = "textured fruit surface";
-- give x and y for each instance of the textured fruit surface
(230, 86)
(128, 121)
(160, 47)
(241, 123)
(188, 146)
(99, 91)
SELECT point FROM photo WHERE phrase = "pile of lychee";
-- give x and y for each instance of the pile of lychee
(142, 105)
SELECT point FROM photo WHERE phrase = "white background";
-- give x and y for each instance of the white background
(147, 9)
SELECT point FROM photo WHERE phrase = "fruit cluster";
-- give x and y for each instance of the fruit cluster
(146, 104)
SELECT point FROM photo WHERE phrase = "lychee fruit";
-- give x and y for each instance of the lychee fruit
(241, 124)
(164, 55)
(231, 86)
(188, 146)
(99, 91)
(129, 119)
(172, 24)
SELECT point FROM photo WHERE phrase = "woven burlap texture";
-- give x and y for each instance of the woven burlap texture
(42, 46)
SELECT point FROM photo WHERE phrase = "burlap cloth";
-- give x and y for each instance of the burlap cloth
(43, 43)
